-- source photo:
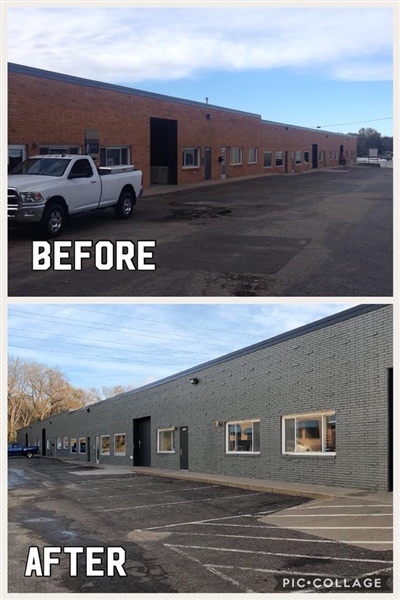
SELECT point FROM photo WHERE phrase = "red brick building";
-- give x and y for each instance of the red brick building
(171, 140)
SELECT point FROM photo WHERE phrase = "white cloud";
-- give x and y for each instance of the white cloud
(133, 45)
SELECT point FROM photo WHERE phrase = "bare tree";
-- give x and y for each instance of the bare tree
(36, 391)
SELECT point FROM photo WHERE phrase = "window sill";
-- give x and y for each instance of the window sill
(244, 453)
(308, 454)
(166, 452)
(191, 168)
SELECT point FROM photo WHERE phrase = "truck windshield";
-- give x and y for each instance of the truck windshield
(54, 167)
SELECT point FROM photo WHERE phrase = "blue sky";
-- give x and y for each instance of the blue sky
(97, 345)
(326, 66)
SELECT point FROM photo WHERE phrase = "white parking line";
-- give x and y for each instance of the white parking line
(338, 506)
(213, 570)
(162, 505)
(276, 571)
(283, 539)
(264, 553)
(203, 522)
(334, 515)
(86, 498)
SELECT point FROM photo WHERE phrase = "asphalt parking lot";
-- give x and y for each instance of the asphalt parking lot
(324, 233)
(179, 536)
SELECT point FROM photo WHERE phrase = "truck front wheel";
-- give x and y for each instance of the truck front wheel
(53, 220)
(124, 207)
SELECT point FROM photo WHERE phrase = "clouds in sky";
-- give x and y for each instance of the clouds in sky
(112, 344)
(131, 45)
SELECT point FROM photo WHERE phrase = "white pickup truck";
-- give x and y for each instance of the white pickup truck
(47, 189)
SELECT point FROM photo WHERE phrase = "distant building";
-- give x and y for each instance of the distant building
(172, 140)
(314, 405)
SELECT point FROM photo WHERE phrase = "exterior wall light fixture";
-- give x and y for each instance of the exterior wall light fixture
(218, 423)
(209, 116)
(194, 381)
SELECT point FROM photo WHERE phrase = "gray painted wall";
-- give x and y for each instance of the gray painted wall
(340, 366)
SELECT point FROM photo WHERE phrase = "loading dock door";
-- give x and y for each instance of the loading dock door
(163, 151)
(184, 447)
(142, 442)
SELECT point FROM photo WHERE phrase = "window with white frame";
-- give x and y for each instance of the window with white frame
(120, 444)
(297, 157)
(191, 158)
(59, 443)
(73, 445)
(243, 436)
(279, 158)
(252, 156)
(82, 445)
(321, 155)
(267, 158)
(48, 445)
(336, 155)
(114, 155)
(65, 442)
(105, 445)
(166, 440)
(313, 433)
(330, 155)
(236, 155)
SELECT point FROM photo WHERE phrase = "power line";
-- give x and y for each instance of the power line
(187, 326)
(354, 122)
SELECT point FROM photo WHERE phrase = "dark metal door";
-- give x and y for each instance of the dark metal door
(390, 430)
(97, 449)
(142, 442)
(43, 442)
(184, 447)
(207, 163)
(315, 156)
(88, 448)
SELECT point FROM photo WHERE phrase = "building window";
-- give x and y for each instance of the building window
(59, 445)
(120, 444)
(267, 159)
(59, 150)
(105, 445)
(330, 155)
(73, 445)
(306, 157)
(297, 157)
(252, 156)
(309, 434)
(279, 158)
(65, 442)
(191, 158)
(321, 155)
(114, 156)
(236, 156)
(243, 436)
(336, 154)
(166, 440)
(82, 445)
(48, 444)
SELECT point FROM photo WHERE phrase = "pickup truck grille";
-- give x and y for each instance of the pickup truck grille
(13, 200)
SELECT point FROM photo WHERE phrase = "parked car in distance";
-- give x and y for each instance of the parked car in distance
(18, 449)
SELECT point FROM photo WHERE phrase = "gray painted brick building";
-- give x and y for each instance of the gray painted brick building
(313, 405)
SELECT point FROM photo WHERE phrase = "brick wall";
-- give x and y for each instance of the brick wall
(58, 110)
(341, 367)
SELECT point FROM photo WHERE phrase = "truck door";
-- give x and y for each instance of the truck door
(83, 187)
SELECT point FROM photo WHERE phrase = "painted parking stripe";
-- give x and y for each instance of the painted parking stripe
(148, 493)
(162, 505)
(203, 522)
(280, 539)
(278, 572)
(264, 553)
(339, 506)
(334, 515)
